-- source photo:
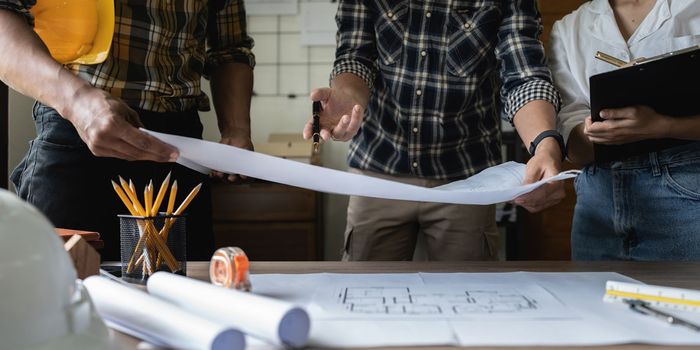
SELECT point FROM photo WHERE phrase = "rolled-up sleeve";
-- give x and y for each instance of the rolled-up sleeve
(524, 70)
(21, 7)
(356, 52)
(227, 37)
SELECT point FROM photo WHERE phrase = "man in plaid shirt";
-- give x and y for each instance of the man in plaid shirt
(415, 86)
(87, 117)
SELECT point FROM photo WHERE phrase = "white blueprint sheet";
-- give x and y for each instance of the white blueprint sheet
(493, 185)
(525, 309)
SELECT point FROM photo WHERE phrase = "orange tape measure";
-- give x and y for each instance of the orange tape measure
(229, 268)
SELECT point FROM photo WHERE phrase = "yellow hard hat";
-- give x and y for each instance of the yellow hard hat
(75, 31)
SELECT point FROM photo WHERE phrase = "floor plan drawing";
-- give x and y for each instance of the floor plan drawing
(428, 301)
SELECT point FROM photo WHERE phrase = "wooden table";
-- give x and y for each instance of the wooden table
(683, 275)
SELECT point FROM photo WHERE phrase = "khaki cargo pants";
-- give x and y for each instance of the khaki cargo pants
(383, 229)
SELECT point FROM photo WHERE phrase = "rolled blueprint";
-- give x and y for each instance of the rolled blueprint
(152, 319)
(272, 320)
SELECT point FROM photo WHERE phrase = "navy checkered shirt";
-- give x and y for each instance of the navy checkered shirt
(441, 74)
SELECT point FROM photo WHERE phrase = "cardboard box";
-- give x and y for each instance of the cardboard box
(290, 146)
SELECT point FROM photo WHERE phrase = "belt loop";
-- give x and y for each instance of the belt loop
(654, 162)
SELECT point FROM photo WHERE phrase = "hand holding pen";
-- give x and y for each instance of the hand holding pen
(340, 116)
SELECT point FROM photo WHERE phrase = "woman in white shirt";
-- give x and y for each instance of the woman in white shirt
(645, 207)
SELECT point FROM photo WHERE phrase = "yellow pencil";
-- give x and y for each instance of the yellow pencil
(160, 245)
(171, 200)
(148, 198)
(168, 222)
(187, 200)
(132, 206)
(124, 198)
(160, 196)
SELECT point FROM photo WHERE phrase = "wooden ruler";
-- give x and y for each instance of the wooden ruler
(674, 298)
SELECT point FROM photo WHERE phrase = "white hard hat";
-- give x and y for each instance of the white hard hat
(42, 303)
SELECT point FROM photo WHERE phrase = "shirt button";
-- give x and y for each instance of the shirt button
(423, 53)
(415, 130)
(415, 164)
(428, 14)
(390, 14)
(419, 92)
(468, 25)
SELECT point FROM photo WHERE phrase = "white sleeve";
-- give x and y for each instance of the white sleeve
(575, 105)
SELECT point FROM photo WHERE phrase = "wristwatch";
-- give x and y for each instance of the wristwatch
(545, 134)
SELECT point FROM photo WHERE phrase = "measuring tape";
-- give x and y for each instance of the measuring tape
(229, 268)
(674, 298)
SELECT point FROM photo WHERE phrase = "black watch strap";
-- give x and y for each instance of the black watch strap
(545, 134)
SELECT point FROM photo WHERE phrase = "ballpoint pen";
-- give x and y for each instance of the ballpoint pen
(610, 59)
(316, 124)
(643, 308)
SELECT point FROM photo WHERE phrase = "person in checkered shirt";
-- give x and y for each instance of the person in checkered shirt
(418, 88)
(87, 116)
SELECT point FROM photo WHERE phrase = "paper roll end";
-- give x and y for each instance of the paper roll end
(229, 339)
(294, 328)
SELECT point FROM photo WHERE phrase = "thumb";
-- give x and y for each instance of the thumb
(532, 174)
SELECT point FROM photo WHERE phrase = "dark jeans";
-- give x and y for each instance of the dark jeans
(642, 208)
(60, 176)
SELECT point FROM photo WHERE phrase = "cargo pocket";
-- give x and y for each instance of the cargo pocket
(347, 245)
(473, 33)
(16, 176)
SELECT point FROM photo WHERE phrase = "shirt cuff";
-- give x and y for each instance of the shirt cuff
(350, 66)
(222, 57)
(531, 91)
(567, 121)
(20, 8)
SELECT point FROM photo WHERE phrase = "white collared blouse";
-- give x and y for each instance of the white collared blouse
(575, 39)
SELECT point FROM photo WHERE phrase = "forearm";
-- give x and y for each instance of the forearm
(27, 66)
(232, 87)
(353, 86)
(532, 119)
(579, 147)
(685, 128)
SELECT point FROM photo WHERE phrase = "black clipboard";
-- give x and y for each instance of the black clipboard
(670, 84)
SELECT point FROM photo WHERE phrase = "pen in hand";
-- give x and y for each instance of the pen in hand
(316, 124)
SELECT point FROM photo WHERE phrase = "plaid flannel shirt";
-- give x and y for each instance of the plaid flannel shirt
(435, 69)
(161, 49)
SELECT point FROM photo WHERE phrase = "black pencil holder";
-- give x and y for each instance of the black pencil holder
(150, 244)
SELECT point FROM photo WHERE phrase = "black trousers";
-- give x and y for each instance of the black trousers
(64, 180)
